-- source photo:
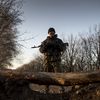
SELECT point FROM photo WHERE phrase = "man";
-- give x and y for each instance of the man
(52, 48)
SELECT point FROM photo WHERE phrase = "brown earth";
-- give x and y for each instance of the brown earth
(22, 90)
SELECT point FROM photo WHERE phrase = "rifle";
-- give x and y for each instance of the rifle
(66, 44)
(36, 46)
(40, 45)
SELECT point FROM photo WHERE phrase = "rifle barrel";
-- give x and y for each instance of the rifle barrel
(36, 46)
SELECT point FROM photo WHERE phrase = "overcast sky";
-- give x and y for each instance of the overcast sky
(66, 16)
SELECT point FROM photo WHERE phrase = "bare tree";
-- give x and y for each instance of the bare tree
(91, 48)
(70, 55)
(83, 53)
(10, 11)
(35, 65)
(96, 46)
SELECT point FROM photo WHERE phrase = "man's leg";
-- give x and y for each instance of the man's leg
(48, 68)
(57, 67)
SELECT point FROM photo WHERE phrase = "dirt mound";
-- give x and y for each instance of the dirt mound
(20, 90)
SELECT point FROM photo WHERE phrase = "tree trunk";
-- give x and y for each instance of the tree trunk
(44, 78)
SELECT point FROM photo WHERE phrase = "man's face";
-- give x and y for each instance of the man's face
(51, 34)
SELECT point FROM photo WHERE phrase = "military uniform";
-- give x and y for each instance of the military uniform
(52, 49)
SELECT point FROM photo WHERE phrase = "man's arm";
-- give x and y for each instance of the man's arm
(43, 47)
(61, 46)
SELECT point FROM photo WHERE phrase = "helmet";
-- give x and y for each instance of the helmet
(51, 30)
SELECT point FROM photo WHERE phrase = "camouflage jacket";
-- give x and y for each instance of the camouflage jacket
(52, 48)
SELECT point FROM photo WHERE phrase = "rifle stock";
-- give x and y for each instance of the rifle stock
(40, 45)
(66, 44)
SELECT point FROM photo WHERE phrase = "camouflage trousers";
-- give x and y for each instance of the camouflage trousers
(52, 66)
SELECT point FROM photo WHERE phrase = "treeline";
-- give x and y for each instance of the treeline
(82, 54)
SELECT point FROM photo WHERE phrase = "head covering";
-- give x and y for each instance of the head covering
(51, 30)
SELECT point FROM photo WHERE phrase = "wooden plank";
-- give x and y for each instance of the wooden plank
(44, 78)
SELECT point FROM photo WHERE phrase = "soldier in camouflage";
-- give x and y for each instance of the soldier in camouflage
(52, 47)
